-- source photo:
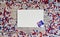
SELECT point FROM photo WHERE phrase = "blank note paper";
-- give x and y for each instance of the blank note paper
(29, 18)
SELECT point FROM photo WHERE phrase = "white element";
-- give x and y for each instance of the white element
(42, 26)
(29, 18)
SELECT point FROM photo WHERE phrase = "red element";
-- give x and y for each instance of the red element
(7, 19)
(2, 23)
(9, 25)
(0, 13)
(36, 6)
(12, 3)
(49, 29)
(45, 1)
(54, 0)
(20, 8)
(8, 4)
(29, 5)
(24, 0)
(40, 34)
(7, 12)
(34, 33)
(45, 34)
(4, 12)
(58, 24)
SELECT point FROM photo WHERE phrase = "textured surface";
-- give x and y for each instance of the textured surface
(8, 14)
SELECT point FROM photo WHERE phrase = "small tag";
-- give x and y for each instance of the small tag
(40, 23)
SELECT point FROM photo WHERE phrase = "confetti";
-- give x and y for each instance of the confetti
(8, 9)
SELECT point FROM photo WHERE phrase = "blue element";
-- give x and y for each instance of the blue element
(59, 27)
(58, 16)
(51, 36)
(40, 23)
(36, 30)
(30, 0)
(0, 27)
